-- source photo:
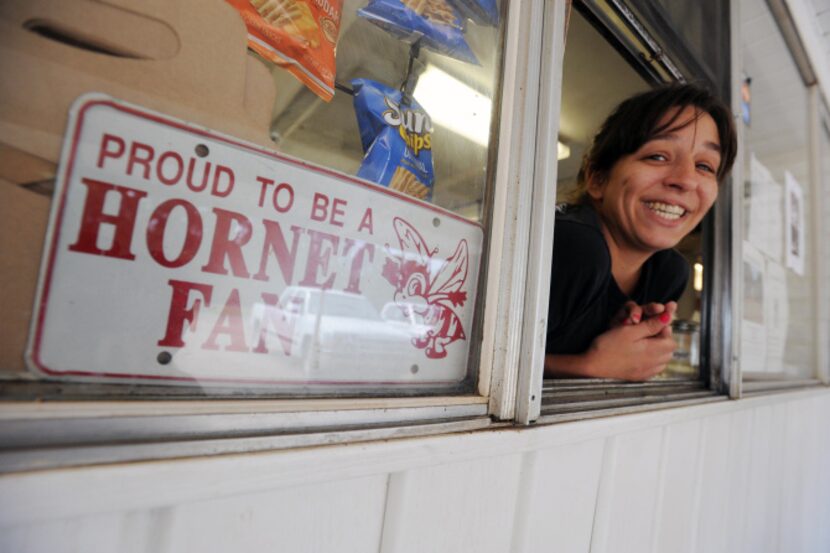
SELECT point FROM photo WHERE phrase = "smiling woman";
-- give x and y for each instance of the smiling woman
(648, 179)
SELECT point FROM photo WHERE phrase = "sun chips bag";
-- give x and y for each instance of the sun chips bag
(434, 22)
(396, 138)
(298, 35)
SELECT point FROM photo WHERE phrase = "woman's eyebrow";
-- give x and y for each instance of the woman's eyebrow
(712, 146)
(709, 145)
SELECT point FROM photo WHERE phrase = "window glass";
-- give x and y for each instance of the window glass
(456, 94)
(779, 310)
(345, 257)
(702, 26)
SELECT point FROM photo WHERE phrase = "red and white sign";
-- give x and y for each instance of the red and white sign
(176, 254)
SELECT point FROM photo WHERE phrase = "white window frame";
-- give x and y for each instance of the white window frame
(63, 433)
(590, 398)
(732, 377)
(520, 254)
(822, 227)
(819, 229)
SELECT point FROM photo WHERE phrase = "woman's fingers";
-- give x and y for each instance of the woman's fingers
(653, 309)
(634, 352)
(651, 327)
(632, 314)
(629, 314)
(635, 313)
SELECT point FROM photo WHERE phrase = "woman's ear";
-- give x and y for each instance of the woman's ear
(594, 185)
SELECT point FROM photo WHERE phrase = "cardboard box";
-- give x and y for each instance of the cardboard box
(23, 217)
(185, 58)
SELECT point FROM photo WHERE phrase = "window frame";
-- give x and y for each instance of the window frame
(517, 263)
(821, 125)
(786, 24)
(515, 337)
(590, 398)
(38, 435)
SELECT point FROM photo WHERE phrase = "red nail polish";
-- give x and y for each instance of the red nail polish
(635, 318)
(665, 317)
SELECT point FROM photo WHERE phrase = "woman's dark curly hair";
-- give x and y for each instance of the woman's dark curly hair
(636, 121)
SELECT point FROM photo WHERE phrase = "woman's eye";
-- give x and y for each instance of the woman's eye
(657, 157)
(706, 167)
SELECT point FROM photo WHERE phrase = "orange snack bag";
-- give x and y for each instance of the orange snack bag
(298, 35)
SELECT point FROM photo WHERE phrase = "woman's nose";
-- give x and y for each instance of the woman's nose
(682, 175)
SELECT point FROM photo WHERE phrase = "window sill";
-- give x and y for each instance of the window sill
(37, 436)
(578, 399)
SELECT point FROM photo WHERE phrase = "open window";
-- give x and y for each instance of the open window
(615, 50)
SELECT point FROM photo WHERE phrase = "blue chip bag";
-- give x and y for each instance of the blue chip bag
(434, 22)
(397, 140)
(483, 12)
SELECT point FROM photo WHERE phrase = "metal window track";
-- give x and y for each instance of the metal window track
(589, 398)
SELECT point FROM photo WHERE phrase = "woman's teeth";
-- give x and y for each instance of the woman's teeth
(666, 211)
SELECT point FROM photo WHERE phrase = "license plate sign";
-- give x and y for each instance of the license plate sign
(179, 255)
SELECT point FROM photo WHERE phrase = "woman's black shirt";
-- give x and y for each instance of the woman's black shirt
(584, 295)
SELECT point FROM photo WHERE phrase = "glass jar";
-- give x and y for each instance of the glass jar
(686, 358)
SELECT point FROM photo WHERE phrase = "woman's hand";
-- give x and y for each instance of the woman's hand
(628, 352)
(632, 352)
(631, 313)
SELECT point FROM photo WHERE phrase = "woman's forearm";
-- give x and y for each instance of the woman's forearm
(568, 366)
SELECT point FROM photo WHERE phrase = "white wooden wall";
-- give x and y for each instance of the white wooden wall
(749, 476)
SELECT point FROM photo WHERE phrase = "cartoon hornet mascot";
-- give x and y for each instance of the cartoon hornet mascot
(430, 286)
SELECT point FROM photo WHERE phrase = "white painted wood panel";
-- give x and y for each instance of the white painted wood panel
(776, 475)
(796, 438)
(740, 448)
(628, 492)
(822, 491)
(557, 498)
(674, 520)
(806, 526)
(757, 533)
(714, 479)
(431, 509)
(136, 532)
(748, 475)
(343, 516)
(812, 525)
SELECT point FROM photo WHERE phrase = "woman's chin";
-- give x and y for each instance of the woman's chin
(663, 234)
(659, 242)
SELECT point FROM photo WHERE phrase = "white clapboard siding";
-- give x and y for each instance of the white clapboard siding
(344, 516)
(629, 483)
(823, 490)
(557, 498)
(740, 447)
(760, 523)
(674, 522)
(712, 480)
(429, 509)
(748, 476)
(122, 532)
(792, 475)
